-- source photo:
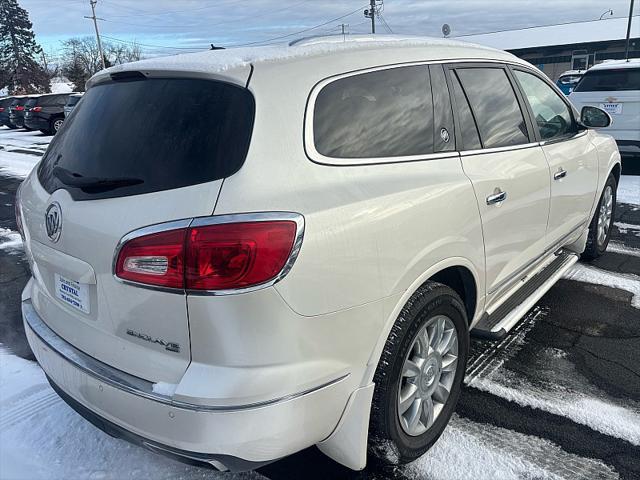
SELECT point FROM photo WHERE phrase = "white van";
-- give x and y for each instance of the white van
(614, 86)
(264, 249)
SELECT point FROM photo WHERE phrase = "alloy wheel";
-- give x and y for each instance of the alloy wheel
(605, 215)
(427, 375)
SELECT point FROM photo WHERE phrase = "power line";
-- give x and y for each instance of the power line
(145, 14)
(153, 46)
(298, 32)
(384, 21)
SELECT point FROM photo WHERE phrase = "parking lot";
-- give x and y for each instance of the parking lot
(559, 397)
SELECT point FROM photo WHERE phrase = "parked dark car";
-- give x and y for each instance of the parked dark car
(45, 113)
(16, 111)
(4, 110)
(73, 99)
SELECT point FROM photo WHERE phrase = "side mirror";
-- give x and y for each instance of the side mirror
(594, 117)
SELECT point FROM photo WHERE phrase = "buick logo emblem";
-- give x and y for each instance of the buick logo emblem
(53, 221)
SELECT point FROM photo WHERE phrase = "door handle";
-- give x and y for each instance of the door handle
(559, 174)
(496, 197)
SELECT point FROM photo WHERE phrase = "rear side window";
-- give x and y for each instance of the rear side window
(468, 130)
(387, 113)
(32, 102)
(613, 80)
(495, 106)
(146, 135)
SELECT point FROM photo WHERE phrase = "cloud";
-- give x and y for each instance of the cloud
(197, 23)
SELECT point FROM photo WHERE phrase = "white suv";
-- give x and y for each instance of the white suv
(614, 86)
(264, 249)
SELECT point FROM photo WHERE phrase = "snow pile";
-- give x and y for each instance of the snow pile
(468, 449)
(10, 240)
(622, 281)
(42, 438)
(629, 189)
(625, 227)
(61, 87)
(617, 247)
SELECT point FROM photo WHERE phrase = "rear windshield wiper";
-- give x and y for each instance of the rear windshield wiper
(93, 184)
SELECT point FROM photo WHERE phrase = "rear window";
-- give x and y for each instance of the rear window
(31, 102)
(570, 79)
(147, 135)
(387, 113)
(613, 80)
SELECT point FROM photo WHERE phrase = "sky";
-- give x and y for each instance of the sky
(175, 26)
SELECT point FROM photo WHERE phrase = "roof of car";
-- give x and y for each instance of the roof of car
(615, 64)
(216, 61)
(573, 72)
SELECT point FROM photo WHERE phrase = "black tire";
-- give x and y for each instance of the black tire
(55, 122)
(388, 442)
(594, 247)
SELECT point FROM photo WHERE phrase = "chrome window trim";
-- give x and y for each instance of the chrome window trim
(217, 220)
(308, 136)
(508, 148)
(130, 383)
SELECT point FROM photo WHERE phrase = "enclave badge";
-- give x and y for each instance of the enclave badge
(53, 221)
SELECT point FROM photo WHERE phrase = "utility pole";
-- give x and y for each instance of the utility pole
(626, 48)
(371, 13)
(95, 24)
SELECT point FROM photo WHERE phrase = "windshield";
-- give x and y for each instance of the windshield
(610, 80)
(146, 135)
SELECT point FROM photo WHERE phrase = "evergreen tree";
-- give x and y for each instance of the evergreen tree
(21, 72)
(76, 74)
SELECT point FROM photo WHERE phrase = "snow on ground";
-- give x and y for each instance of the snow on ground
(20, 151)
(625, 227)
(617, 247)
(629, 189)
(10, 240)
(468, 449)
(61, 87)
(41, 437)
(588, 274)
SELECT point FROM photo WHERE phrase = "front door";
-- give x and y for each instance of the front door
(507, 168)
(572, 158)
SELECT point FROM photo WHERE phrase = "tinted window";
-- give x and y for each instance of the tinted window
(552, 115)
(387, 113)
(72, 100)
(569, 79)
(610, 80)
(494, 106)
(155, 134)
(31, 103)
(469, 132)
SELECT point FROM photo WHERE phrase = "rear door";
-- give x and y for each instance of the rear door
(572, 157)
(135, 153)
(507, 168)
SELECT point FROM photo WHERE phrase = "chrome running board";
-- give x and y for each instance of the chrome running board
(495, 324)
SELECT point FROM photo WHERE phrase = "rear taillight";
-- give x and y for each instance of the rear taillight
(19, 108)
(36, 109)
(220, 256)
(1, 109)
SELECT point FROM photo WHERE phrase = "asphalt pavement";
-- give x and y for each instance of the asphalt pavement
(561, 393)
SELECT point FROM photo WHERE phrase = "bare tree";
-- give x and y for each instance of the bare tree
(81, 58)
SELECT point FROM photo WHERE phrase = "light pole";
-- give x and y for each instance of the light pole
(626, 48)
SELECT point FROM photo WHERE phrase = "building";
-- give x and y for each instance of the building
(569, 46)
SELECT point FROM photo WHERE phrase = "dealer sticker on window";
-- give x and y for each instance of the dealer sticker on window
(612, 108)
(73, 293)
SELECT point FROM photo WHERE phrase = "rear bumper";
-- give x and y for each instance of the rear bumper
(36, 123)
(233, 438)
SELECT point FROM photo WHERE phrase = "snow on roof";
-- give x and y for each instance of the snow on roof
(610, 64)
(563, 34)
(211, 61)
